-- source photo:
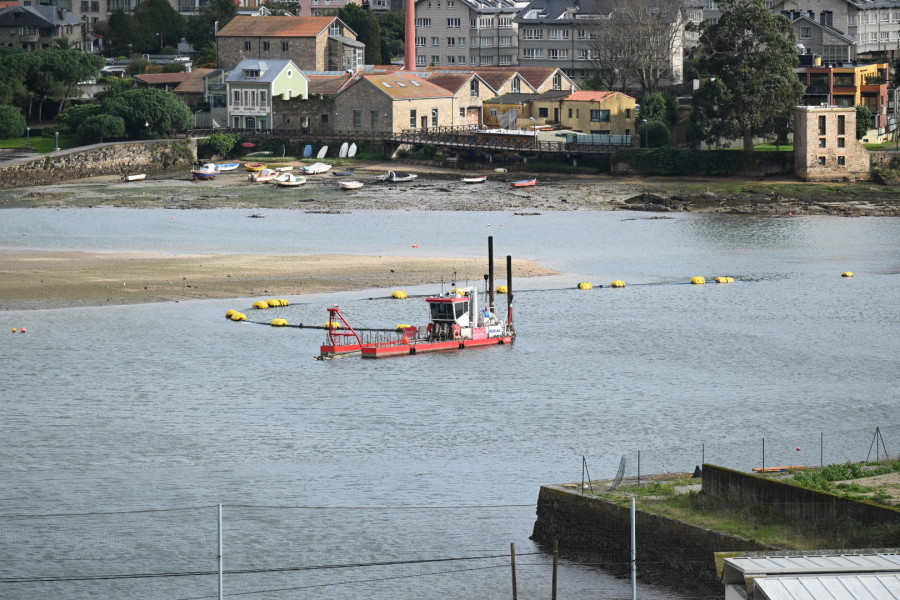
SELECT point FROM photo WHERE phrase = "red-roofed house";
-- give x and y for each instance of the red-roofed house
(162, 81)
(392, 102)
(610, 113)
(313, 43)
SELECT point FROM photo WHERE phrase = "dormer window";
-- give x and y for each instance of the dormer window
(251, 74)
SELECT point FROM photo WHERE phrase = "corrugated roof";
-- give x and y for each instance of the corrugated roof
(401, 86)
(162, 78)
(837, 587)
(736, 569)
(268, 70)
(280, 26)
(194, 82)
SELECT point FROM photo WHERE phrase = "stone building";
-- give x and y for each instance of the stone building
(825, 144)
(35, 27)
(312, 43)
(392, 102)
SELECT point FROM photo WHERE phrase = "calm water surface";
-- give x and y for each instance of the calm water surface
(171, 407)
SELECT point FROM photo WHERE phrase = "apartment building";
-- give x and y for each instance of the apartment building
(459, 33)
(35, 28)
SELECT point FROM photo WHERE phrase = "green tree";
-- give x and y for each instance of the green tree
(281, 9)
(138, 66)
(57, 73)
(367, 29)
(207, 57)
(15, 66)
(101, 127)
(72, 117)
(751, 55)
(203, 26)
(118, 33)
(594, 82)
(393, 34)
(865, 120)
(219, 144)
(149, 112)
(114, 85)
(653, 134)
(12, 122)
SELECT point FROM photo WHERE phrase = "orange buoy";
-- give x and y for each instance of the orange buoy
(22, 330)
(13, 329)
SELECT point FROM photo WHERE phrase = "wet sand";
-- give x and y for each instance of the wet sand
(65, 279)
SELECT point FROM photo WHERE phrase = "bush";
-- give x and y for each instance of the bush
(12, 122)
(219, 144)
(275, 145)
(655, 134)
(672, 161)
(101, 127)
(75, 115)
(429, 150)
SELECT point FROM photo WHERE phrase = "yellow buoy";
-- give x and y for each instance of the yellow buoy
(279, 322)
(273, 302)
(847, 274)
(724, 279)
(699, 280)
(332, 325)
(403, 326)
(285, 302)
(399, 295)
(260, 304)
(502, 289)
(238, 316)
(617, 283)
(585, 285)
(230, 313)
(13, 329)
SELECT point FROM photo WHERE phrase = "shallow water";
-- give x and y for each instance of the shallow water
(170, 406)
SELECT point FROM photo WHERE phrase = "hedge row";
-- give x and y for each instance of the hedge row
(674, 161)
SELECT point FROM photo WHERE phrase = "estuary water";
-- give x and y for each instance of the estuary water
(124, 427)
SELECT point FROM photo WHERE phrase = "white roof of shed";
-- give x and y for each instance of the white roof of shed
(828, 587)
(738, 568)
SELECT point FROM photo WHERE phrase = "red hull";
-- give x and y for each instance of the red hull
(371, 351)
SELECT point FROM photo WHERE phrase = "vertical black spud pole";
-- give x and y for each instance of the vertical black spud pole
(509, 293)
(491, 272)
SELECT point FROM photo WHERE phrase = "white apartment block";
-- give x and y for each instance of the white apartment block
(464, 33)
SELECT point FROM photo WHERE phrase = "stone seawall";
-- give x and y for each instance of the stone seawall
(669, 552)
(100, 159)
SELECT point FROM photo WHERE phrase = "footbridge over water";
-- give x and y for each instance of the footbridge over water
(461, 140)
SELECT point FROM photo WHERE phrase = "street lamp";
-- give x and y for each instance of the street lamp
(160, 42)
(28, 137)
(534, 126)
(57, 142)
(646, 135)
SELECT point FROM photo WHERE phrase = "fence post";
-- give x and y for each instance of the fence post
(555, 564)
(220, 552)
(512, 562)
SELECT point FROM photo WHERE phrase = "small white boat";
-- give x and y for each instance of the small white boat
(135, 177)
(316, 168)
(499, 170)
(350, 185)
(289, 180)
(393, 176)
(228, 166)
(480, 179)
(287, 168)
(263, 176)
(206, 172)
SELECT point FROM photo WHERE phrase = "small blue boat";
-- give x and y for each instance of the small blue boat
(228, 166)
(307, 151)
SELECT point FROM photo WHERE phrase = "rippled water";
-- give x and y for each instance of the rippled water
(170, 406)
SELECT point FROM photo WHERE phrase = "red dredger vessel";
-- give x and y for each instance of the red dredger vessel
(458, 321)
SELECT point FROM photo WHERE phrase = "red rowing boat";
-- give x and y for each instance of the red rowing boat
(523, 183)
(458, 321)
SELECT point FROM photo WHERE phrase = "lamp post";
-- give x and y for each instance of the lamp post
(646, 136)
(534, 126)
(57, 142)
(28, 137)
(159, 35)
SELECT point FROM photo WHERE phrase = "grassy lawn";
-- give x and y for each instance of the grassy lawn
(41, 144)
(891, 145)
(774, 148)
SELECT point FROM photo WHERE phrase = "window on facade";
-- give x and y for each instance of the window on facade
(558, 53)
(421, 41)
(570, 113)
(435, 60)
(533, 53)
(473, 22)
(451, 42)
(435, 41)
(583, 53)
(461, 42)
(434, 117)
(263, 98)
(324, 118)
(885, 36)
(285, 46)
(505, 59)
(533, 34)
(557, 81)
(473, 87)
(412, 119)
(462, 112)
(822, 128)
(493, 112)
(423, 23)
(851, 19)
(420, 59)
(474, 42)
(822, 143)
(505, 22)
(462, 60)
(841, 142)
(451, 4)
(357, 118)
(805, 32)
(454, 23)
(236, 97)
(247, 46)
(841, 161)
(885, 17)
(543, 112)
(627, 113)
(505, 41)
(487, 42)
(600, 116)
(821, 161)
(516, 85)
(842, 124)
(487, 61)
(485, 22)
(265, 46)
(335, 29)
(558, 34)
(451, 60)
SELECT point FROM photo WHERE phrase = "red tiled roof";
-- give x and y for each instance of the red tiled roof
(162, 78)
(328, 85)
(402, 85)
(281, 26)
(450, 81)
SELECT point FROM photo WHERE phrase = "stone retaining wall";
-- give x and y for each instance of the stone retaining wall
(100, 159)
(669, 552)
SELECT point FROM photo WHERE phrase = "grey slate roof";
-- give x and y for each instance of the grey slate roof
(36, 16)
(269, 70)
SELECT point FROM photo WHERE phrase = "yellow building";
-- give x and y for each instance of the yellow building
(611, 113)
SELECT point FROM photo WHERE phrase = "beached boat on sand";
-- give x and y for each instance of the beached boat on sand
(289, 180)
(458, 321)
(263, 176)
(350, 185)
(255, 166)
(316, 168)
(523, 183)
(135, 177)
(206, 172)
(396, 177)
(227, 166)
(480, 179)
